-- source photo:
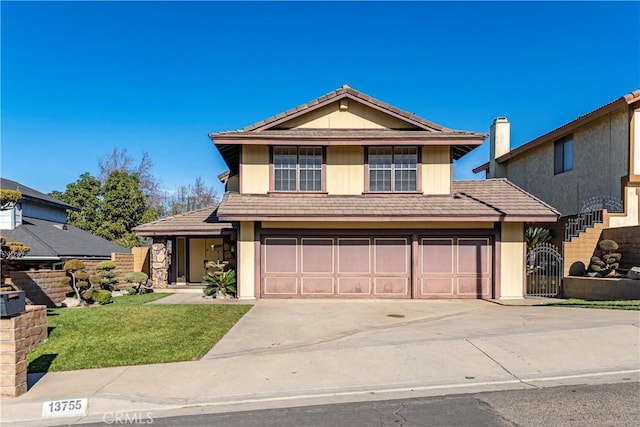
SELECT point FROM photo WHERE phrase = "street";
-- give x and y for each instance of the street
(593, 405)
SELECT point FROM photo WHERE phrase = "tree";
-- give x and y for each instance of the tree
(85, 194)
(118, 160)
(123, 207)
(188, 198)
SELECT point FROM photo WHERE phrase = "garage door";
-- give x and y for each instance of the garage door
(456, 267)
(344, 266)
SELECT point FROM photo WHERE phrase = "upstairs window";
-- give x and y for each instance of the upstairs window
(297, 168)
(393, 169)
(563, 155)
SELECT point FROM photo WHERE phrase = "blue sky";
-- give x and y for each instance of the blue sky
(81, 78)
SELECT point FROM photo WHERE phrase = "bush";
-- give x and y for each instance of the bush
(141, 280)
(608, 246)
(73, 265)
(102, 296)
(107, 275)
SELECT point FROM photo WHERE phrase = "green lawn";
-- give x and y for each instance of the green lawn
(130, 333)
(616, 305)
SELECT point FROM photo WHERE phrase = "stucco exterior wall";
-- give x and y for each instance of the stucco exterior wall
(436, 170)
(254, 169)
(246, 261)
(600, 160)
(512, 261)
(345, 170)
(355, 116)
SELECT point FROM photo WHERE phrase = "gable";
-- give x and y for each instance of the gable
(346, 114)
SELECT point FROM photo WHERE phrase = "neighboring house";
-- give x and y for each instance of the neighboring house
(39, 221)
(590, 163)
(347, 196)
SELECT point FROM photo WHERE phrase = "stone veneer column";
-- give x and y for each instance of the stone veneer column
(18, 334)
(159, 262)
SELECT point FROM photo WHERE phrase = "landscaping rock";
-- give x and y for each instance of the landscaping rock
(594, 274)
(71, 302)
(577, 269)
(634, 273)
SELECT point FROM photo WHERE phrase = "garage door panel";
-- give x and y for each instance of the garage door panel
(473, 286)
(391, 285)
(354, 256)
(456, 267)
(281, 285)
(280, 255)
(391, 256)
(317, 255)
(354, 285)
(317, 286)
(436, 286)
(473, 256)
(437, 256)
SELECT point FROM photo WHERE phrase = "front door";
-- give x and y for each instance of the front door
(202, 250)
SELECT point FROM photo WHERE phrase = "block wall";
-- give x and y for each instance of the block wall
(18, 335)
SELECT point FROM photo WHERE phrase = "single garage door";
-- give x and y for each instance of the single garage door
(456, 267)
(341, 266)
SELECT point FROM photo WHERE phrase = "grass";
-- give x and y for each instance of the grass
(130, 333)
(615, 305)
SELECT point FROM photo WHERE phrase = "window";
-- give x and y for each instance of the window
(297, 168)
(393, 169)
(563, 155)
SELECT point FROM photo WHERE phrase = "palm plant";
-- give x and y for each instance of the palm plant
(536, 235)
(220, 282)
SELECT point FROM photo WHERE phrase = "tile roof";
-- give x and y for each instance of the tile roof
(196, 222)
(48, 239)
(30, 193)
(486, 200)
(265, 130)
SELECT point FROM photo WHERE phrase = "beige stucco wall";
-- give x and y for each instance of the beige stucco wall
(601, 156)
(356, 116)
(512, 271)
(345, 170)
(246, 261)
(436, 170)
(374, 225)
(254, 169)
(631, 215)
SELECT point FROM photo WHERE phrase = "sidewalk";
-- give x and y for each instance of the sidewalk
(292, 353)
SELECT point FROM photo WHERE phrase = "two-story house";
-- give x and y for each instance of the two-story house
(39, 221)
(347, 196)
(592, 162)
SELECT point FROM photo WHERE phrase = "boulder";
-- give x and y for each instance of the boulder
(70, 302)
(634, 273)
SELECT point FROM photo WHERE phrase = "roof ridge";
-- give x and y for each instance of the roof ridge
(341, 92)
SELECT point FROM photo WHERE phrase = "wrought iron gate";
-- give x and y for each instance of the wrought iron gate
(544, 271)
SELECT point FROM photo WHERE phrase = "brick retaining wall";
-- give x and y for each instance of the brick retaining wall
(44, 286)
(18, 335)
(628, 238)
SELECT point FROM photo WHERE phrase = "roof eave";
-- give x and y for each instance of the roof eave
(624, 101)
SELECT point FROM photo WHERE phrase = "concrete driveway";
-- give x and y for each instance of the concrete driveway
(287, 353)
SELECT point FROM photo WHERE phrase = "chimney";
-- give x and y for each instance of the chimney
(499, 145)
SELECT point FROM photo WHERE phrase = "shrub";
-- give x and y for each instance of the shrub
(607, 246)
(73, 265)
(107, 275)
(141, 280)
(102, 296)
(79, 279)
(223, 282)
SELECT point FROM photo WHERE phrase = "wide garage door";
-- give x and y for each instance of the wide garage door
(349, 267)
(454, 267)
